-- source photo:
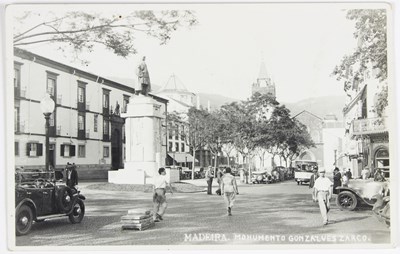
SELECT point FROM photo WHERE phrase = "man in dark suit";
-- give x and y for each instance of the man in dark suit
(337, 180)
(72, 176)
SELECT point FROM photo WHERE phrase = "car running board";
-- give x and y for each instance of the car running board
(45, 217)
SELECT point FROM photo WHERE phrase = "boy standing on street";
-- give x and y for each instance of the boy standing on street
(159, 198)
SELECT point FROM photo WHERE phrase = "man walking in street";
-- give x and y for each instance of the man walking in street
(159, 198)
(313, 177)
(322, 189)
(229, 189)
(209, 179)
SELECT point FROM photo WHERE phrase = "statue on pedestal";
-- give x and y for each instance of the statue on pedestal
(143, 78)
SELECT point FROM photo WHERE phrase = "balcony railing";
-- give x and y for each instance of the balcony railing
(59, 130)
(87, 133)
(87, 106)
(369, 126)
(59, 99)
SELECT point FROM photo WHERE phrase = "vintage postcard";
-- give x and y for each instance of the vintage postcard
(200, 126)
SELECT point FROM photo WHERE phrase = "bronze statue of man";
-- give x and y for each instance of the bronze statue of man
(143, 78)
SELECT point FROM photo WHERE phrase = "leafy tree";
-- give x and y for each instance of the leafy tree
(196, 137)
(80, 31)
(214, 132)
(370, 56)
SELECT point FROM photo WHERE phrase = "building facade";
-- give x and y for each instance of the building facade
(367, 134)
(180, 100)
(85, 128)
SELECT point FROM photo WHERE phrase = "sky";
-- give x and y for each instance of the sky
(299, 43)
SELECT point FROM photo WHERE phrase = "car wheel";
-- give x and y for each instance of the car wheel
(346, 200)
(23, 220)
(64, 199)
(78, 211)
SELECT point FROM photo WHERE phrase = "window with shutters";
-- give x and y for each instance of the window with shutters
(96, 122)
(182, 132)
(170, 131)
(34, 149)
(170, 146)
(182, 147)
(81, 122)
(81, 126)
(81, 151)
(81, 96)
(51, 85)
(106, 130)
(67, 150)
(106, 152)
(176, 147)
(106, 101)
(17, 79)
(177, 132)
(17, 117)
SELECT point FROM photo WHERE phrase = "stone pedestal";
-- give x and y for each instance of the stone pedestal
(143, 142)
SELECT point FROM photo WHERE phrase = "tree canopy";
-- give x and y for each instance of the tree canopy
(80, 31)
(369, 58)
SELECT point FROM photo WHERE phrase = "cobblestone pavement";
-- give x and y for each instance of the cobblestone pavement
(280, 213)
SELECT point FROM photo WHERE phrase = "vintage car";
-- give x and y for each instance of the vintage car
(40, 196)
(359, 192)
(258, 177)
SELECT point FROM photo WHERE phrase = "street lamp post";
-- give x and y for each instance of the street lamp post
(47, 107)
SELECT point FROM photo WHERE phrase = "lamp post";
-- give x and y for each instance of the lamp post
(47, 107)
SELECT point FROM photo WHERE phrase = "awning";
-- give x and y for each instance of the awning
(181, 157)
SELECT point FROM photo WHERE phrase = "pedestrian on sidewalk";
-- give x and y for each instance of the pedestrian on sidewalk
(209, 179)
(229, 189)
(322, 188)
(159, 199)
(313, 178)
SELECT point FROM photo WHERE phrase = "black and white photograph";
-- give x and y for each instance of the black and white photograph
(200, 126)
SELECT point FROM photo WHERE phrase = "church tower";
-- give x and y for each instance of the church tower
(264, 84)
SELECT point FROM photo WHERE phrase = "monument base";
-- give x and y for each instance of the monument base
(134, 173)
(123, 176)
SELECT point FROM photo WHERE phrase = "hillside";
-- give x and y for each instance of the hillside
(320, 106)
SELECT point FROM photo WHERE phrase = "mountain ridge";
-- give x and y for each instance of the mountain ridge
(319, 106)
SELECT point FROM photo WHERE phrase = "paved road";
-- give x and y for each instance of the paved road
(280, 213)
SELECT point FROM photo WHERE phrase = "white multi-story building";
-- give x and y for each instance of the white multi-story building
(180, 100)
(85, 127)
(367, 134)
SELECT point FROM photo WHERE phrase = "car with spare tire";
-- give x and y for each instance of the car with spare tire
(40, 196)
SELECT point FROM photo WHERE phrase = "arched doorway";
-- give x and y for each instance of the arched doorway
(382, 160)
